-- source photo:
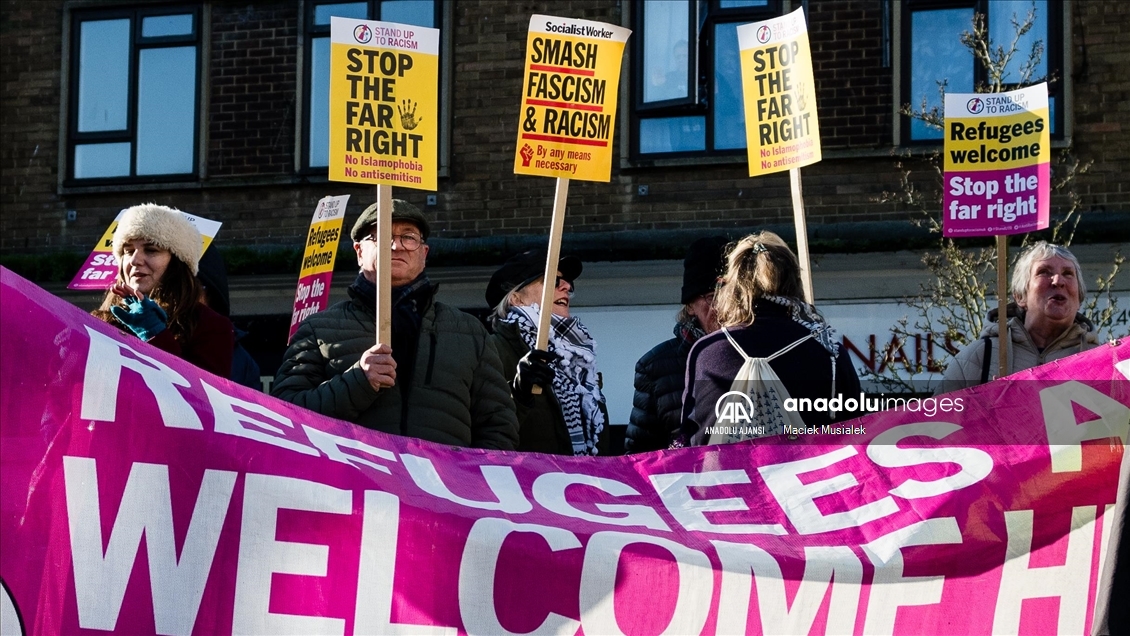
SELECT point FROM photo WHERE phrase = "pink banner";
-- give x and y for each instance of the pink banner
(139, 495)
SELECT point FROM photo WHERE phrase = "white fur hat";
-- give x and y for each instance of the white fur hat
(164, 227)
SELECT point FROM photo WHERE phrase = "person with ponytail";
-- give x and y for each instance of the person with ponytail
(156, 295)
(764, 321)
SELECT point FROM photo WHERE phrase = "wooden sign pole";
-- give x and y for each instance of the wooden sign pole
(384, 264)
(1002, 304)
(553, 254)
(801, 235)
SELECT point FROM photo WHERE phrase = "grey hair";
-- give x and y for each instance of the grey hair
(1022, 270)
(502, 309)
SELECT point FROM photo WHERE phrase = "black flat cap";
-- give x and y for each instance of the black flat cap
(525, 268)
(401, 211)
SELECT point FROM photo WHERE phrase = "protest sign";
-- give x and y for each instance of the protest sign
(782, 130)
(997, 174)
(101, 266)
(313, 292)
(568, 118)
(568, 114)
(384, 96)
(997, 163)
(982, 511)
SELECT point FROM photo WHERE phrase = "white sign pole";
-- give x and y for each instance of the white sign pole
(384, 264)
(1002, 304)
(801, 235)
(553, 254)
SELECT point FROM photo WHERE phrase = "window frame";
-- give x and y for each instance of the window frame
(701, 62)
(308, 31)
(692, 63)
(1054, 56)
(137, 43)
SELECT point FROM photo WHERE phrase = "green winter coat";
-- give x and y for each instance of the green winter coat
(458, 395)
(541, 426)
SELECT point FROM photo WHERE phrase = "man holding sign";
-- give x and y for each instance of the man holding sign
(438, 379)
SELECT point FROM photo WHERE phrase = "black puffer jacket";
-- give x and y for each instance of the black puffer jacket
(657, 404)
(458, 395)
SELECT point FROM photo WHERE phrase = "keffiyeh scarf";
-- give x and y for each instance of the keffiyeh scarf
(575, 383)
(806, 315)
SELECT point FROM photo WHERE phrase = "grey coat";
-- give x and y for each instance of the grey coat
(965, 369)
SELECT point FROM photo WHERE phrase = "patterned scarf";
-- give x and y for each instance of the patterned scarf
(806, 315)
(689, 331)
(368, 290)
(575, 383)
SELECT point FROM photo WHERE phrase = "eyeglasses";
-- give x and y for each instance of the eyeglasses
(408, 242)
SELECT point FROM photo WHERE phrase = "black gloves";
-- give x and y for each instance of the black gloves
(534, 369)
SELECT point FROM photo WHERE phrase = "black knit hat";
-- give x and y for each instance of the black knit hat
(525, 268)
(401, 211)
(705, 262)
(213, 275)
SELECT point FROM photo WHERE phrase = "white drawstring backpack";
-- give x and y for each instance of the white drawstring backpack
(766, 394)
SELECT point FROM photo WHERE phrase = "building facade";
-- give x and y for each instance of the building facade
(218, 107)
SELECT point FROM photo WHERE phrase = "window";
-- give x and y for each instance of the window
(134, 95)
(425, 13)
(932, 52)
(686, 76)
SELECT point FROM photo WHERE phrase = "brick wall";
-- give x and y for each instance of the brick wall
(1102, 102)
(251, 185)
(254, 79)
(32, 215)
(854, 88)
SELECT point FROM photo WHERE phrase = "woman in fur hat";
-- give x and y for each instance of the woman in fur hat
(156, 295)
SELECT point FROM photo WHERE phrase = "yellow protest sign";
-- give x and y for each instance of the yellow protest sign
(313, 293)
(384, 95)
(781, 127)
(101, 266)
(568, 114)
